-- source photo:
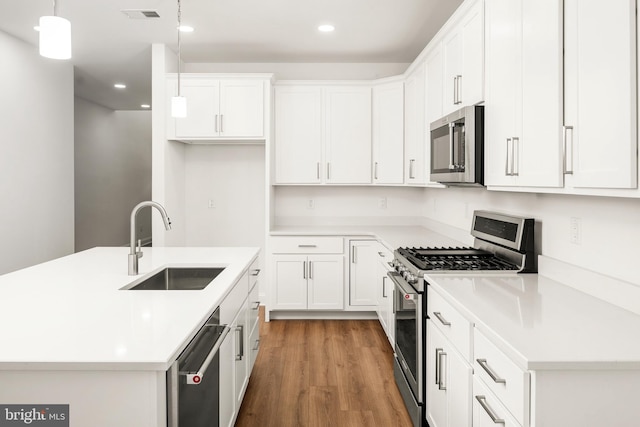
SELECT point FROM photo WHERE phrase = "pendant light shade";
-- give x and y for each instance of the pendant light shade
(179, 103)
(178, 107)
(55, 36)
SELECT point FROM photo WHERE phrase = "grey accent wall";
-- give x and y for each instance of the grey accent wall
(112, 174)
(36, 156)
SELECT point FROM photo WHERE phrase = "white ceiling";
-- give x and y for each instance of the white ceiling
(108, 47)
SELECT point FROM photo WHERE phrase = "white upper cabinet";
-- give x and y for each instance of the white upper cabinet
(416, 169)
(388, 133)
(463, 48)
(348, 134)
(298, 134)
(322, 134)
(600, 94)
(217, 109)
(523, 106)
(434, 86)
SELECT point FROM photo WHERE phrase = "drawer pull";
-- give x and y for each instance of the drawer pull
(483, 402)
(488, 370)
(257, 305)
(307, 246)
(381, 254)
(441, 319)
(255, 272)
(256, 346)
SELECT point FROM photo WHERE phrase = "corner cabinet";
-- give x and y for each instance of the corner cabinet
(388, 133)
(218, 108)
(322, 134)
(523, 108)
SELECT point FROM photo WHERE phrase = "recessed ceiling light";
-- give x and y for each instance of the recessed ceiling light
(326, 28)
(120, 85)
(145, 106)
(185, 29)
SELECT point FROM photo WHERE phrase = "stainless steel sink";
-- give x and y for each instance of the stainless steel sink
(179, 279)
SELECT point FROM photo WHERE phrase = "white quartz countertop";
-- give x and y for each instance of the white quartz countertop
(543, 324)
(392, 236)
(70, 313)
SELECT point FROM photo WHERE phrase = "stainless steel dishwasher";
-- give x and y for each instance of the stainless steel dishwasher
(193, 381)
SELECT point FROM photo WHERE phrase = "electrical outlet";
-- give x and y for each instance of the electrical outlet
(575, 230)
(211, 204)
(311, 204)
(382, 203)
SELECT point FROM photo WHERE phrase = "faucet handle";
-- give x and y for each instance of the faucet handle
(139, 249)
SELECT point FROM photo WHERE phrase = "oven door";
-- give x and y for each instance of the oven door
(409, 333)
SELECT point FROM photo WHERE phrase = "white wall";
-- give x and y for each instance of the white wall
(335, 205)
(610, 231)
(36, 156)
(232, 177)
(305, 71)
(112, 174)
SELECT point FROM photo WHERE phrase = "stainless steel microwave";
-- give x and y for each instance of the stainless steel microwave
(457, 147)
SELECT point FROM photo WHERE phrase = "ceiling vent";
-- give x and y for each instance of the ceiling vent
(140, 14)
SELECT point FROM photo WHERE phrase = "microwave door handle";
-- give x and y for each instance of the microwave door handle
(451, 145)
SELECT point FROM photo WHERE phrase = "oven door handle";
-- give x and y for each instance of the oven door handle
(195, 378)
(407, 291)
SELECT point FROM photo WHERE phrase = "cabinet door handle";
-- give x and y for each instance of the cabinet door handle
(455, 90)
(256, 346)
(353, 255)
(438, 350)
(441, 319)
(304, 269)
(441, 375)
(506, 162)
(328, 170)
(221, 123)
(565, 149)
(240, 354)
(310, 269)
(515, 171)
(459, 84)
(411, 168)
(488, 370)
(375, 170)
(318, 170)
(451, 145)
(216, 123)
(384, 286)
(483, 402)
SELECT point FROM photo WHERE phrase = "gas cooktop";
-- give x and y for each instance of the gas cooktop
(455, 259)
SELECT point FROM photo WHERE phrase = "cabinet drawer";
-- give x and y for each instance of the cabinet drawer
(233, 301)
(487, 409)
(254, 306)
(452, 324)
(254, 346)
(254, 274)
(504, 378)
(306, 245)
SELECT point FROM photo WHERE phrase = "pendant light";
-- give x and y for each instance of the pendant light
(179, 103)
(55, 36)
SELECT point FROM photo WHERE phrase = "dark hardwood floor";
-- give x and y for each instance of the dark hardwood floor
(323, 373)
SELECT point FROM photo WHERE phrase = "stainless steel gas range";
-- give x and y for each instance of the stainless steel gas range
(504, 244)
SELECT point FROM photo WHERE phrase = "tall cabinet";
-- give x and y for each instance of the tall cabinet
(600, 94)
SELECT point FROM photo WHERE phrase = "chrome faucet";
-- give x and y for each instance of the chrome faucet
(134, 253)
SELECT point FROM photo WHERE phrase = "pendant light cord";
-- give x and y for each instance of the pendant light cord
(179, 60)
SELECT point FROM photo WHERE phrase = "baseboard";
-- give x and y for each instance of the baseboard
(322, 315)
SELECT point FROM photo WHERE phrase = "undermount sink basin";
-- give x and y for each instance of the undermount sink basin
(179, 279)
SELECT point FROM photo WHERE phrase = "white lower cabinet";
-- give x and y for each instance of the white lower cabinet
(308, 282)
(363, 259)
(487, 409)
(385, 295)
(449, 378)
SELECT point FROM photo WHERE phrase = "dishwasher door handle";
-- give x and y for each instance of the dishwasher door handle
(195, 378)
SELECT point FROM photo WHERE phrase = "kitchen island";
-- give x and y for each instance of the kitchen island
(71, 335)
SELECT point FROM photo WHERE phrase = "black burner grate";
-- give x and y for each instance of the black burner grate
(456, 259)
